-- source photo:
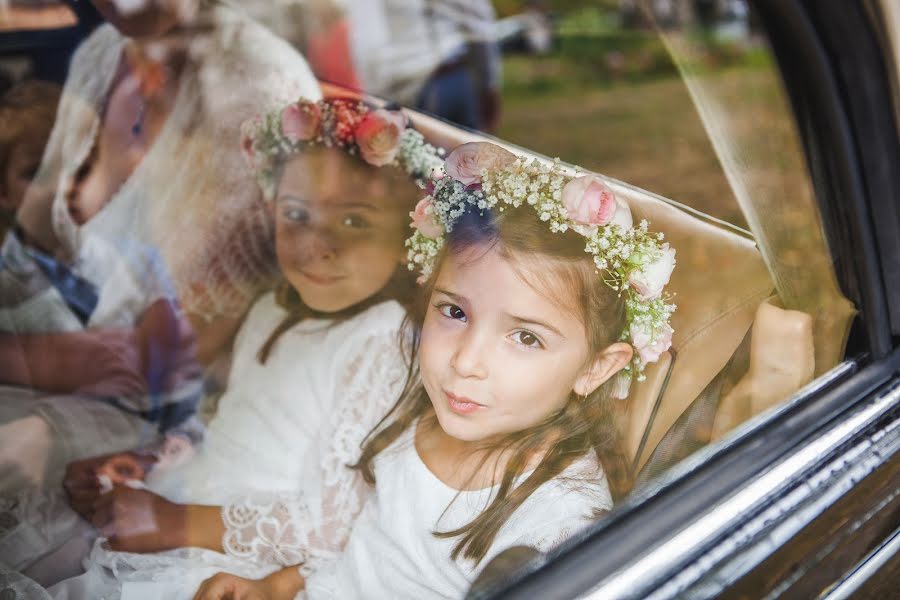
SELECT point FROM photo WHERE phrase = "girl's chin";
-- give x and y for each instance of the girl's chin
(464, 428)
(322, 301)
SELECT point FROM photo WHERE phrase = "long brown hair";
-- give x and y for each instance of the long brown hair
(581, 426)
(400, 287)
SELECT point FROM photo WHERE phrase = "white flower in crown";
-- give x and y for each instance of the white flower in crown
(630, 259)
(650, 279)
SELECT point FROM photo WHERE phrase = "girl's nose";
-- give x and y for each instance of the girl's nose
(469, 359)
(318, 244)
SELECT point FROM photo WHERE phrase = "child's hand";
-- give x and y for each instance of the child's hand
(137, 520)
(224, 586)
(127, 466)
(81, 479)
(280, 585)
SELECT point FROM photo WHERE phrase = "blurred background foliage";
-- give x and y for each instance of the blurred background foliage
(608, 96)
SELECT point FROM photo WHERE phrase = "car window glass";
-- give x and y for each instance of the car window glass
(239, 246)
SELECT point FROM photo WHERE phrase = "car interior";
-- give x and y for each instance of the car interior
(739, 348)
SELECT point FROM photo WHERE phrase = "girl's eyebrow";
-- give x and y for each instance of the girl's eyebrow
(533, 321)
(357, 205)
(342, 206)
(453, 296)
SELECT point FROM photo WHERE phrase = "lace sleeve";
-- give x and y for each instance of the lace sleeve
(313, 525)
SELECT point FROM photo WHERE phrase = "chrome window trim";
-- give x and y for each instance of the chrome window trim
(639, 577)
(865, 569)
(744, 431)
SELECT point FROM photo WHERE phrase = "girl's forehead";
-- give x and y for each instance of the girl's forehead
(495, 275)
(329, 175)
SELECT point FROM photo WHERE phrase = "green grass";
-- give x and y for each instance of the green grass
(648, 133)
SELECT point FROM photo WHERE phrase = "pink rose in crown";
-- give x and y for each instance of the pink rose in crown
(466, 163)
(300, 121)
(648, 346)
(589, 201)
(378, 136)
(423, 219)
(650, 280)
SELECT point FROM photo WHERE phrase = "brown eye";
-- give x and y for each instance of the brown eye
(355, 222)
(297, 215)
(528, 339)
(452, 311)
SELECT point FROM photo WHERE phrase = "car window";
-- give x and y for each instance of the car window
(409, 281)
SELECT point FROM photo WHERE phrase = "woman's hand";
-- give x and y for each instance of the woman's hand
(280, 585)
(136, 520)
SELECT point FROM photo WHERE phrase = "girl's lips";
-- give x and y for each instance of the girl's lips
(462, 405)
(321, 279)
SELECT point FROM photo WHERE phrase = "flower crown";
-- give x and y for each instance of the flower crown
(378, 136)
(630, 259)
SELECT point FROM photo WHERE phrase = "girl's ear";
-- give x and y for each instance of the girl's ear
(613, 359)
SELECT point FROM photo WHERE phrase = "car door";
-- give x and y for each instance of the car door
(802, 499)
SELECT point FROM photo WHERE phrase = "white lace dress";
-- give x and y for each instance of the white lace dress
(274, 456)
(393, 554)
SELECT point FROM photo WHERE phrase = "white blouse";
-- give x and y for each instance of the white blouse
(392, 552)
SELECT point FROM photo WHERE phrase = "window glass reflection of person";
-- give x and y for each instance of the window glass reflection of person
(142, 152)
(316, 364)
(437, 55)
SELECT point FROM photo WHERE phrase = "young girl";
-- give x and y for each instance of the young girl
(316, 365)
(541, 302)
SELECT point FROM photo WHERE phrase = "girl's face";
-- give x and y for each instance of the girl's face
(497, 356)
(340, 228)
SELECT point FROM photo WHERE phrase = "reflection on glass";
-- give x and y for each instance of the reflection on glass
(293, 335)
(18, 15)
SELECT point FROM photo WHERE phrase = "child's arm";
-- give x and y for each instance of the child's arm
(137, 520)
(280, 585)
(108, 362)
(102, 362)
